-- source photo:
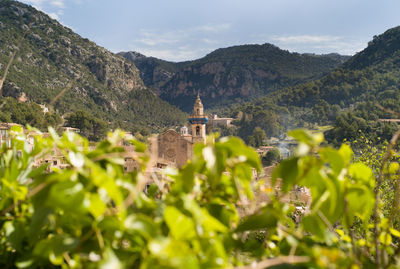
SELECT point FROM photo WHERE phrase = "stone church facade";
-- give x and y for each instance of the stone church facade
(175, 149)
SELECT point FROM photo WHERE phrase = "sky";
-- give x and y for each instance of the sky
(180, 30)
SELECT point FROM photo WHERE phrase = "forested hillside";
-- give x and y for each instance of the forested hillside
(367, 88)
(52, 65)
(231, 75)
(352, 98)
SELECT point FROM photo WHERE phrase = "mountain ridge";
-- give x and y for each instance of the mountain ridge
(371, 71)
(351, 99)
(232, 74)
(56, 66)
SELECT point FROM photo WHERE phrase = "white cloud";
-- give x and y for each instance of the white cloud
(350, 47)
(203, 33)
(34, 2)
(57, 3)
(44, 3)
(184, 53)
(54, 8)
(210, 41)
(153, 38)
(215, 28)
(306, 38)
(54, 16)
(315, 43)
(180, 44)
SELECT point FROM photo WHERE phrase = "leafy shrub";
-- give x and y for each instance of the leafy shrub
(272, 156)
(93, 214)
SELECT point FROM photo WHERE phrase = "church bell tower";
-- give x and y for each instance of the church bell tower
(198, 121)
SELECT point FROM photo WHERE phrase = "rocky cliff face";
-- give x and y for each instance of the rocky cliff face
(154, 72)
(232, 74)
(53, 54)
(55, 65)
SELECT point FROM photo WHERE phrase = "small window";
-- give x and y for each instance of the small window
(198, 111)
(55, 162)
(197, 130)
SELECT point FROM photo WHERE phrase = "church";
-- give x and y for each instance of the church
(175, 149)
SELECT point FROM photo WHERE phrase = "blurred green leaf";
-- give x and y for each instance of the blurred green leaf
(266, 218)
(181, 226)
(361, 173)
(307, 137)
(288, 171)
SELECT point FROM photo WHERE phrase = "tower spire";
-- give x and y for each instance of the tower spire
(198, 121)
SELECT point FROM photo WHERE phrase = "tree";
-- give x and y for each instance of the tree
(90, 127)
(258, 138)
(26, 113)
(271, 157)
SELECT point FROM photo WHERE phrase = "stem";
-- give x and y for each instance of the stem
(31, 193)
(326, 221)
(386, 158)
(394, 215)
(276, 261)
(350, 231)
(100, 239)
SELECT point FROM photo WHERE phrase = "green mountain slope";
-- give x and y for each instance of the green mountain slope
(351, 98)
(53, 65)
(232, 74)
(382, 50)
(372, 75)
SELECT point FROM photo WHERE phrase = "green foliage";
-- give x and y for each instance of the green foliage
(26, 113)
(271, 157)
(349, 127)
(258, 138)
(91, 127)
(93, 214)
(260, 116)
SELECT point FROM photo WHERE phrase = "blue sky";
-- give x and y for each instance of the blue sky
(180, 30)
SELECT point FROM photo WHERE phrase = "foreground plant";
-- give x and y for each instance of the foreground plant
(94, 214)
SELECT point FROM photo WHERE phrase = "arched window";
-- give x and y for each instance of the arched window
(198, 111)
(197, 130)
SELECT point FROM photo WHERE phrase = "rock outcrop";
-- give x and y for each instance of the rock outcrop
(232, 74)
(50, 56)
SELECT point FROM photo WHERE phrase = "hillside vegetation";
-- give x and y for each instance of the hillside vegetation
(93, 214)
(352, 98)
(55, 66)
(367, 86)
(231, 75)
